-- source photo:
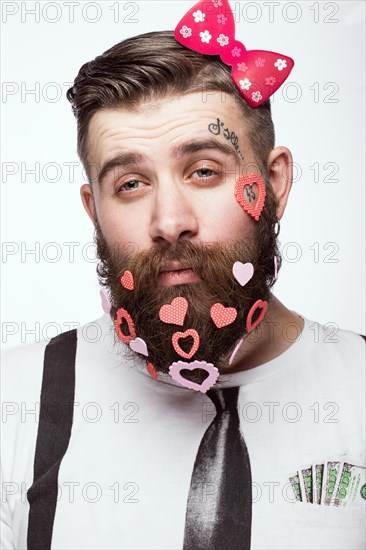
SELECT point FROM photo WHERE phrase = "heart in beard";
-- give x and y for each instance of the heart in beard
(213, 264)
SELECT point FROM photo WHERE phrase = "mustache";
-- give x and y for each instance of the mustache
(203, 258)
(216, 284)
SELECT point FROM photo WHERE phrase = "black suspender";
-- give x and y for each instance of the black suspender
(54, 431)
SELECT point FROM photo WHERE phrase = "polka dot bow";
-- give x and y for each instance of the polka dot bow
(209, 28)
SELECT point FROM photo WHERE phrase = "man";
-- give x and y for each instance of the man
(204, 414)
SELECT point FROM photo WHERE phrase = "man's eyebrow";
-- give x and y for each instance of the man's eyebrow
(133, 158)
(198, 145)
(122, 159)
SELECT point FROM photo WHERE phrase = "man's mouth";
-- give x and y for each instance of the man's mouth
(177, 273)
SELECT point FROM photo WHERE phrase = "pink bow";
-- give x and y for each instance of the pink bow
(209, 28)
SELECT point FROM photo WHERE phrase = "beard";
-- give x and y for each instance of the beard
(213, 263)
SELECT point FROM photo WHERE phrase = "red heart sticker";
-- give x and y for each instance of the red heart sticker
(259, 304)
(196, 342)
(123, 314)
(244, 194)
(152, 371)
(127, 280)
(174, 313)
(223, 316)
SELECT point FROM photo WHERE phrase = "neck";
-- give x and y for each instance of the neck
(279, 329)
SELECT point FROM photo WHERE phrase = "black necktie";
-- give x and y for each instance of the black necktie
(219, 507)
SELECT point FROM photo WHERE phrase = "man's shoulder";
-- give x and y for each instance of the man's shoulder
(336, 351)
(331, 333)
(344, 341)
(21, 372)
(22, 365)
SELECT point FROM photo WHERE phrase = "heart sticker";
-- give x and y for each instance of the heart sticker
(123, 314)
(243, 272)
(237, 347)
(244, 194)
(179, 335)
(275, 267)
(174, 313)
(259, 304)
(175, 370)
(127, 280)
(152, 371)
(223, 316)
(139, 346)
(106, 305)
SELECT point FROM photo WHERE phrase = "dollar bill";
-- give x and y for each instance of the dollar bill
(332, 472)
(295, 483)
(318, 472)
(351, 486)
(306, 484)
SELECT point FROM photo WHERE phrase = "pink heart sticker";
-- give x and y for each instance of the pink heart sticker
(243, 272)
(213, 374)
(127, 280)
(223, 316)
(259, 304)
(106, 305)
(244, 194)
(196, 342)
(139, 346)
(237, 347)
(174, 313)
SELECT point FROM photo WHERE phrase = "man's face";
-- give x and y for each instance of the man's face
(164, 207)
(164, 193)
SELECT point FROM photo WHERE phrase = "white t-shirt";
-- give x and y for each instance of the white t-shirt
(124, 479)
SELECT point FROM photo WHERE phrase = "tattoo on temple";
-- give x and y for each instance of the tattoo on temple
(216, 127)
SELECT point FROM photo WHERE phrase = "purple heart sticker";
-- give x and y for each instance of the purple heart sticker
(175, 370)
(243, 272)
(139, 346)
(106, 305)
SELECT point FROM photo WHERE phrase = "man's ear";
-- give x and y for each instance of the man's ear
(87, 198)
(280, 171)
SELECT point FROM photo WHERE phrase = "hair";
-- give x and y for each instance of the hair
(154, 66)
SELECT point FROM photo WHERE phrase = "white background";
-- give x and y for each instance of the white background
(320, 117)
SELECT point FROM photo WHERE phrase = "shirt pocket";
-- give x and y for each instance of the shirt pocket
(320, 527)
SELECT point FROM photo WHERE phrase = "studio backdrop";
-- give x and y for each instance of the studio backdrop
(49, 281)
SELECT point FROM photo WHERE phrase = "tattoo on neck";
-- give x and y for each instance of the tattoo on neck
(216, 127)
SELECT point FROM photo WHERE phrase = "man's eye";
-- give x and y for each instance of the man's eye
(204, 172)
(130, 185)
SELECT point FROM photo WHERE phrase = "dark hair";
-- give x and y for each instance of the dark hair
(153, 66)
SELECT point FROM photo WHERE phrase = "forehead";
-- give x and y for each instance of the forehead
(155, 127)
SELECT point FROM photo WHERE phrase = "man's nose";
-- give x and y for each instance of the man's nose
(173, 216)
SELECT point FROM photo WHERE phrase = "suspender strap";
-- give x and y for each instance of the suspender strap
(54, 431)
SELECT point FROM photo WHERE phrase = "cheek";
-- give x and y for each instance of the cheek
(225, 220)
(121, 228)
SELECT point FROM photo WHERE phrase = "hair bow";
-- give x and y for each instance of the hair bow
(209, 28)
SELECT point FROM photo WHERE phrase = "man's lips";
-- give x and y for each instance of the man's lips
(174, 266)
(177, 273)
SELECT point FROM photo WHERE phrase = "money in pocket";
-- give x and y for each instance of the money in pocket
(351, 487)
(332, 473)
(295, 483)
(318, 472)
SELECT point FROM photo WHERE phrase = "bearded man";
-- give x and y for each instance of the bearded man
(204, 415)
